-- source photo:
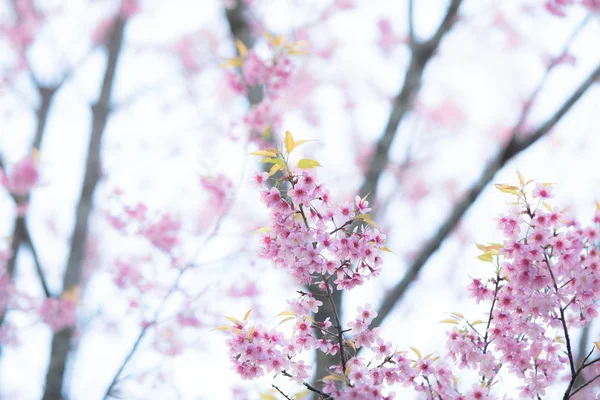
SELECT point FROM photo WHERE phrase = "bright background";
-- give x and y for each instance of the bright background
(171, 126)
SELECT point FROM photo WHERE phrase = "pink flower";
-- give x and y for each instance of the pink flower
(543, 191)
(23, 177)
(254, 69)
(164, 233)
(58, 313)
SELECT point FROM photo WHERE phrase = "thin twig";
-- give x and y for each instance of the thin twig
(309, 387)
(283, 394)
(562, 318)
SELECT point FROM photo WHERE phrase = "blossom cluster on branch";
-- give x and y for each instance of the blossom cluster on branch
(544, 286)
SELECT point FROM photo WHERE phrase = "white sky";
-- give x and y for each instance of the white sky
(157, 146)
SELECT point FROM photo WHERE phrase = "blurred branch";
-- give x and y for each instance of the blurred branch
(116, 378)
(411, 23)
(61, 342)
(553, 63)
(20, 232)
(240, 30)
(517, 143)
(36, 260)
(403, 102)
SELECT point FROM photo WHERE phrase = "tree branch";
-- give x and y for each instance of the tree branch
(411, 23)
(403, 102)
(240, 30)
(20, 232)
(515, 145)
(61, 342)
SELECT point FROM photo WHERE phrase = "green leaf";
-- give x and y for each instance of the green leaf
(241, 47)
(307, 164)
(268, 133)
(448, 321)
(367, 219)
(264, 153)
(274, 169)
(272, 160)
(417, 352)
(507, 188)
(286, 320)
(289, 142)
(332, 378)
(487, 257)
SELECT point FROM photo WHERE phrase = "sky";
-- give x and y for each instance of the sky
(170, 129)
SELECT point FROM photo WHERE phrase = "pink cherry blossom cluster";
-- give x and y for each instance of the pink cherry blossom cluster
(22, 177)
(558, 7)
(270, 74)
(162, 231)
(56, 313)
(545, 286)
(311, 237)
(273, 75)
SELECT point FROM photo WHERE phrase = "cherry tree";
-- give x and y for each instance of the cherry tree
(127, 181)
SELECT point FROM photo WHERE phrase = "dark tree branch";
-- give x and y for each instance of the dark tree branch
(20, 232)
(411, 23)
(61, 342)
(403, 102)
(240, 30)
(515, 145)
(36, 260)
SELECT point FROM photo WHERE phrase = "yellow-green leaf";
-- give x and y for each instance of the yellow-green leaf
(223, 328)
(448, 321)
(272, 160)
(486, 257)
(457, 315)
(507, 188)
(266, 396)
(284, 313)
(597, 344)
(351, 343)
(241, 48)
(247, 314)
(302, 394)
(263, 229)
(268, 132)
(301, 141)
(417, 352)
(305, 163)
(264, 153)
(477, 322)
(521, 180)
(286, 320)
(274, 169)
(289, 142)
(367, 219)
(234, 62)
(386, 249)
(332, 378)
